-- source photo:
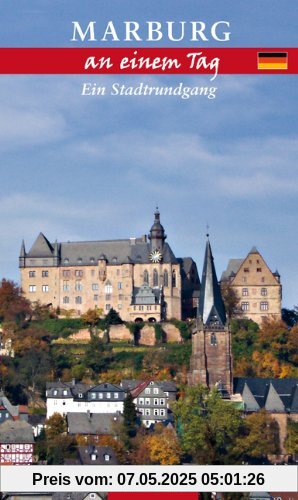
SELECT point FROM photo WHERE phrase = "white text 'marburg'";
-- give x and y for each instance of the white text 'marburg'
(152, 31)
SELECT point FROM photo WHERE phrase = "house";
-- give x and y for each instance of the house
(152, 400)
(74, 397)
(140, 278)
(16, 443)
(257, 287)
(96, 455)
(11, 412)
(92, 424)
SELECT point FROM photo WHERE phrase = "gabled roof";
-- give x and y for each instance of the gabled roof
(92, 423)
(211, 307)
(232, 269)
(275, 395)
(137, 390)
(41, 247)
(16, 431)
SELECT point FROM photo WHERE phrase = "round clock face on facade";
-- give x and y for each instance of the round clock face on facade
(155, 256)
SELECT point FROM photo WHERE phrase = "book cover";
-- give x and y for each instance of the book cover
(117, 115)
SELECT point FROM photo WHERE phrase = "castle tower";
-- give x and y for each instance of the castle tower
(211, 359)
(157, 234)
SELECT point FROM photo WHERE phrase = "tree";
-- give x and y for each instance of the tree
(13, 305)
(291, 442)
(164, 447)
(231, 300)
(290, 316)
(129, 418)
(259, 438)
(207, 425)
(113, 318)
(55, 426)
(97, 354)
(92, 317)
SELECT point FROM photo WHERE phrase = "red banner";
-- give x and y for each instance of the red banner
(147, 61)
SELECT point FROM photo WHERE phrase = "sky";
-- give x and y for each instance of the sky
(90, 168)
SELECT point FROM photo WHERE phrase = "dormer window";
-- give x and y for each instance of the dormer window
(55, 393)
(93, 456)
(106, 457)
(65, 392)
(66, 261)
(80, 260)
(92, 260)
(80, 395)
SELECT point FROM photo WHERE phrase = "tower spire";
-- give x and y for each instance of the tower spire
(211, 308)
(157, 234)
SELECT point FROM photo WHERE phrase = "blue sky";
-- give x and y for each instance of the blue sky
(80, 168)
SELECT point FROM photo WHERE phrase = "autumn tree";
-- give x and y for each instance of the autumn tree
(258, 439)
(231, 300)
(97, 354)
(55, 426)
(13, 305)
(164, 447)
(92, 317)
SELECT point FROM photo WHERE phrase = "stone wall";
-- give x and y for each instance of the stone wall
(172, 332)
(147, 335)
(120, 332)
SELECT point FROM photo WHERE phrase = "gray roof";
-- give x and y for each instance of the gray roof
(92, 423)
(12, 410)
(211, 307)
(232, 269)
(122, 251)
(275, 395)
(85, 454)
(16, 431)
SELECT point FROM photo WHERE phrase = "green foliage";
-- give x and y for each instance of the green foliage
(291, 442)
(112, 318)
(129, 418)
(97, 354)
(290, 316)
(244, 336)
(207, 425)
(184, 329)
(159, 333)
(135, 330)
(62, 327)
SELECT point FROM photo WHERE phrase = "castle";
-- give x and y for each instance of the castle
(140, 278)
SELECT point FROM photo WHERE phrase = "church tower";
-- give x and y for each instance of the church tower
(211, 359)
(157, 234)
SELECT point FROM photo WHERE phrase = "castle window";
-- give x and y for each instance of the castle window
(66, 273)
(244, 292)
(146, 277)
(245, 306)
(78, 300)
(108, 307)
(119, 306)
(94, 286)
(263, 291)
(108, 296)
(32, 288)
(108, 287)
(213, 339)
(244, 279)
(31, 274)
(95, 297)
(45, 288)
(66, 286)
(119, 285)
(174, 279)
(259, 269)
(155, 278)
(65, 300)
(79, 273)
(263, 279)
(166, 279)
(246, 270)
(78, 286)
(92, 272)
(264, 306)
(44, 274)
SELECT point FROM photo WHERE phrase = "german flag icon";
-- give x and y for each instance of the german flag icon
(273, 60)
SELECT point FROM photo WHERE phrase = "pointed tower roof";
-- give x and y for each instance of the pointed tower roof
(41, 247)
(23, 250)
(157, 230)
(211, 307)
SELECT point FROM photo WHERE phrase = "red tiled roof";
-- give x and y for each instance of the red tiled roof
(137, 390)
